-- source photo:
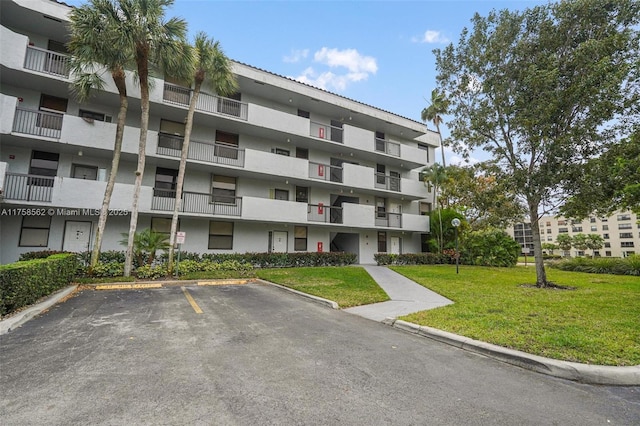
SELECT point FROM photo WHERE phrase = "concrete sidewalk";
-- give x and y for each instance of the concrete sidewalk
(406, 296)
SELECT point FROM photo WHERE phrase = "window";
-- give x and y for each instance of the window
(594, 228)
(336, 131)
(605, 227)
(220, 235)
(281, 194)
(79, 171)
(380, 142)
(94, 116)
(171, 135)
(563, 230)
(302, 194)
(604, 219)
(425, 208)
(424, 243)
(302, 153)
(592, 220)
(562, 222)
(424, 148)
(281, 151)
(549, 238)
(227, 144)
(35, 231)
(381, 169)
(625, 226)
(382, 242)
(548, 230)
(576, 228)
(381, 210)
(165, 185)
(605, 236)
(626, 244)
(162, 225)
(624, 217)
(303, 113)
(223, 189)
(394, 181)
(607, 245)
(44, 164)
(607, 253)
(626, 235)
(548, 223)
(300, 242)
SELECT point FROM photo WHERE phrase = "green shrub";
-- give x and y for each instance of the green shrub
(41, 254)
(489, 247)
(600, 265)
(152, 271)
(24, 282)
(286, 260)
(413, 258)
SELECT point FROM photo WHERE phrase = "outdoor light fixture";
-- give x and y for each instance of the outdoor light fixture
(455, 223)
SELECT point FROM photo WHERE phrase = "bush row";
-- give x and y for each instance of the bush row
(600, 265)
(414, 258)
(24, 282)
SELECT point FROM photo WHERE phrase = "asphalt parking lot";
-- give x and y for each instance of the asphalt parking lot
(257, 355)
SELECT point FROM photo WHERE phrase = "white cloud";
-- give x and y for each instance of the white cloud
(431, 37)
(296, 55)
(358, 68)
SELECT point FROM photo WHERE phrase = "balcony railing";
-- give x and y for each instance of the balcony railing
(324, 131)
(28, 187)
(325, 172)
(391, 183)
(39, 123)
(218, 153)
(388, 147)
(206, 102)
(389, 220)
(46, 61)
(196, 202)
(322, 213)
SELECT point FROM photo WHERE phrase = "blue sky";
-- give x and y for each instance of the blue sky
(376, 52)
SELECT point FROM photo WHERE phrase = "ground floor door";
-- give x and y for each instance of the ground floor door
(77, 236)
(278, 242)
(396, 245)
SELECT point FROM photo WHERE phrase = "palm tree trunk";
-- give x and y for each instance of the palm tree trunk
(441, 145)
(181, 171)
(143, 75)
(120, 82)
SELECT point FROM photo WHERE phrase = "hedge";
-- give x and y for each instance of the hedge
(600, 265)
(414, 258)
(24, 282)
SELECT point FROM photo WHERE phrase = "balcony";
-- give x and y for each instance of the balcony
(321, 213)
(387, 147)
(325, 172)
(324, 131)
(206, 102)
(216, 153)
(46, 61)
(195, 202)
(25, 187)
(38, 123)
(270, 210)
(390, 183)
(389, 220)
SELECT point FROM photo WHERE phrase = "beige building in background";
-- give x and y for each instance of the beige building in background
(620, 231)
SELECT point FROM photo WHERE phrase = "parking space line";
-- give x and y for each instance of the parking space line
(191, 301)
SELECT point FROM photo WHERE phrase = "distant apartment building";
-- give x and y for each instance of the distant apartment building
(620, 232)
(279, 166)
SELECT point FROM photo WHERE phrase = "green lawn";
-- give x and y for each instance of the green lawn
(597, 323)
(347, 286)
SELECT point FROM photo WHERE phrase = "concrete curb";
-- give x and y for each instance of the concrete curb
(326, 302)
(584, 373)
(16, 320)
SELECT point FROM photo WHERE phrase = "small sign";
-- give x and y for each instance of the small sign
(180, 237)
(525, 250)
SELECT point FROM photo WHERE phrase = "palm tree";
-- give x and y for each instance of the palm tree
(146, 244)
(214, 68)
(161, 43)
(433, 176)
(95, 45)
(439, 105)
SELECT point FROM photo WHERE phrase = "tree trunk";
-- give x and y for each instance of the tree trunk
(181, 172)
(440, 136)
(541, 274)
(143, 75)
(120, 82)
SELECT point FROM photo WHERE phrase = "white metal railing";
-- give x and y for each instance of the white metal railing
(40, 123)
(196, 202)
(217, 153)
(26, 187)
(325, 172)
(206, 102)
(387, 146)
(391, 183)
(46, 61)
(325, 131)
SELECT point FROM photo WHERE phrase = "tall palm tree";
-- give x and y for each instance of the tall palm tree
(434, 176)
(161, 43)
(213, 68)
(439, 105)
(95, 45)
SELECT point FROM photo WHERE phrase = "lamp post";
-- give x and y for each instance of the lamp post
(455, 223)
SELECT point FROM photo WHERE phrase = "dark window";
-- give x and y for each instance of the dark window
(300, 242)
(424, 148)
(626, 235)
(53, 103)
(281, 151)
(281, 194)
(424, 243)
(227, 144)
(223, 189)
(382, 242)
(380, 142)
(605, 227)
(220, 235)
(44, 163)
(94, 116)
(425, 208)
(302, 194)
(380, 174)
(303, 113)
(626, 244)
(34, 231)
(625, 226)
(624, 217)
(165, 185)
(302, 153)
(162, 225)
(79, 171)
(336, 131)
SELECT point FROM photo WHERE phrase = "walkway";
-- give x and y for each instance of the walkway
(406, 296)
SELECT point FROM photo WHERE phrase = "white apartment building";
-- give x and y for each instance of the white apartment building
(620, 232)
(281, 166)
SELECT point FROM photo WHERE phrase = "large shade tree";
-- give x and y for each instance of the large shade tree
(212, 68)
(538, 90)
(96, 49)
(155, 42)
